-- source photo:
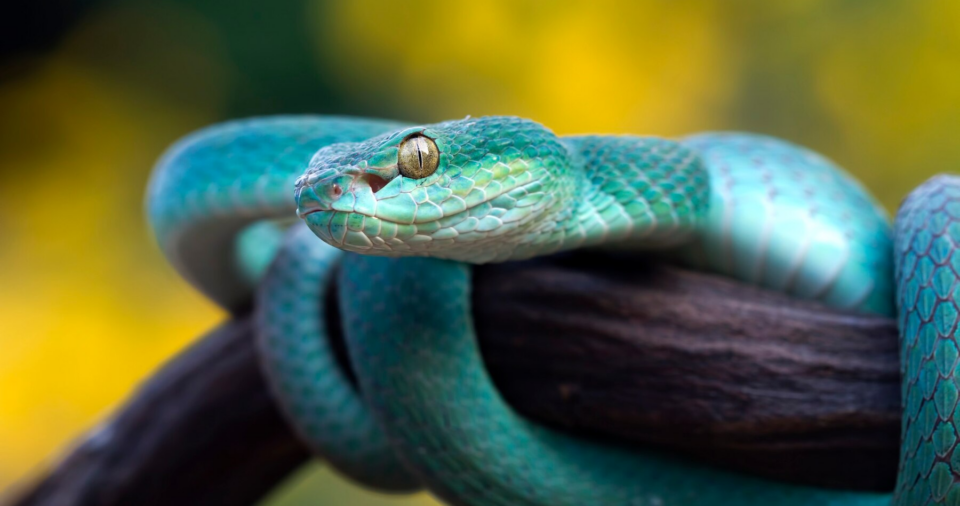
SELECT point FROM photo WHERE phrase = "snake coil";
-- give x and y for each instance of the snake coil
(415, 205)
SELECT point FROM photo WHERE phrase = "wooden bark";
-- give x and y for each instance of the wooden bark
(619, 349)
(743, 377)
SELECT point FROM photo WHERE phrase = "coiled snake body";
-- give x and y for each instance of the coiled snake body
(419, 203)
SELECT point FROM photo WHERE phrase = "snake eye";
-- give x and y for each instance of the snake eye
(418, 157)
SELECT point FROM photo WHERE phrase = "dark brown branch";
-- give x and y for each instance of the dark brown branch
(203, 430)
(655, 355)
(744, 377)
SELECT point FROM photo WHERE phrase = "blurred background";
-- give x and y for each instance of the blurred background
(92, 91)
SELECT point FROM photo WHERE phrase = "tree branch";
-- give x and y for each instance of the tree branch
(645, 354)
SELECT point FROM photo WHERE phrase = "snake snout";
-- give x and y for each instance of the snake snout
(335, 190)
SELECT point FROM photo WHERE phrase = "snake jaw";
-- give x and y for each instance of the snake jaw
(339, 203)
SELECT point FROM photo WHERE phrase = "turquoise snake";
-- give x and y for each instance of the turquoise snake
(413, 206)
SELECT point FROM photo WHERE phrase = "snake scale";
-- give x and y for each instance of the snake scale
(413, 206)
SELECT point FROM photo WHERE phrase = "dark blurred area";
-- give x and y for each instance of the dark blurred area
(27, 29)
(92, 91)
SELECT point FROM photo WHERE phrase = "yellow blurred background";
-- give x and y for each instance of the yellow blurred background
(88, 308)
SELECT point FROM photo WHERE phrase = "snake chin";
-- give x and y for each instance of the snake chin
(348, 230)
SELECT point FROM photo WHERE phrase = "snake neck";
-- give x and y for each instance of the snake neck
(631, 190)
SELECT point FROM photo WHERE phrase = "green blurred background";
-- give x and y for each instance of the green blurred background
(92, 91)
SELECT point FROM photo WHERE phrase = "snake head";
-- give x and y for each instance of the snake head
(450, 190)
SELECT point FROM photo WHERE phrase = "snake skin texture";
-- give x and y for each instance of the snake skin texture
(788, 219)
(927, 236)
(291, 320)
(751, 207)
(506, 189)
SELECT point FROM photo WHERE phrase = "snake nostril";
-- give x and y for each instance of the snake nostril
(334, 191)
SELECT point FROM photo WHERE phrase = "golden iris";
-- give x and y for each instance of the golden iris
(418, 157)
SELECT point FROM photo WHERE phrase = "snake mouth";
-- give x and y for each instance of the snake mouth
(313, 208)
(327, 215)
(309, 207)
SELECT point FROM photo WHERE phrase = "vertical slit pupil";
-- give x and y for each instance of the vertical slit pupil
(421, 147)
